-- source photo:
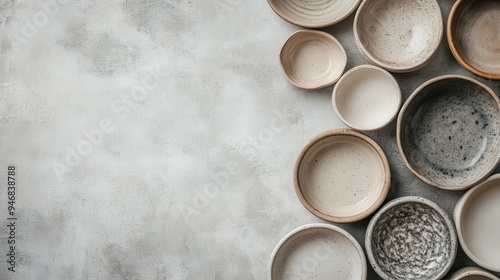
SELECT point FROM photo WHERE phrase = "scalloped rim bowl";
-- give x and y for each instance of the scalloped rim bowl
(318, 250)
(313, 14)
(398, 35)
(312, 59)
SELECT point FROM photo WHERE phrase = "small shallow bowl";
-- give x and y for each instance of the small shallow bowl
(473, 273)
(472, 32)
(411, 238)
(398, 35)
(477, 220)
(313, 14)
(366, 98)
(342, 176)
(448, 132)
(318, 251)
(312, 59)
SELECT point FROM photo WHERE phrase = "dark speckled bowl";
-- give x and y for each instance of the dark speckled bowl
(448, 132)
(411, 238)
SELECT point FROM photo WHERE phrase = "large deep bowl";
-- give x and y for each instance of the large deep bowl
(473, 36)
(448, 132)
(411, 238)
(398, 35)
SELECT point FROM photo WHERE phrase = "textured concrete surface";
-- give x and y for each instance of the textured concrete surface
(155, 139)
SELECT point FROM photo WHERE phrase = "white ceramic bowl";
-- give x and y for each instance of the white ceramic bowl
(342, 176)
(473, 273)
(366, 97)
(313, 13)
(318, 251)
(312, 59)
(398, 35)
(477, 218)
(411, 238)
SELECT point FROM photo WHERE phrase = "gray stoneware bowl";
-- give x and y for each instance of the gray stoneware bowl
(411, 238)
(448, 132)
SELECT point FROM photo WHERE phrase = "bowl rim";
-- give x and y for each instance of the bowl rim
(411, 199)
(455, 50)
(356, 69)
(313, 25)
(399, 128)
(472, 271)
(316, 34)
(457, 215)
(358, 216)
(313, 226)
(398, 69)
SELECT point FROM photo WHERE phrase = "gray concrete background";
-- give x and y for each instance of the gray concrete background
(156, 139)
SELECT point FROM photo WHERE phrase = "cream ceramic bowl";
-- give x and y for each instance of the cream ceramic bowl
(477, 218)
(312, 59)
(448, 132)
(411, 238)
(473, 36)
(366, 98)
(398, 35)
(313, 13)
(473, 273)
(318, 251)
(342, 176)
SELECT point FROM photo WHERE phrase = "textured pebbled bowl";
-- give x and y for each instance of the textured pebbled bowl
(411, 238)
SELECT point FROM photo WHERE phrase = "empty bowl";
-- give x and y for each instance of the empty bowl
(472, 31)
(398, 35)
(342, 176)
(313, 14)
(366, 98)
(318, 251)
(477, 218)
(411, 238)
(448, 132)
(312, 59)
(473, 273)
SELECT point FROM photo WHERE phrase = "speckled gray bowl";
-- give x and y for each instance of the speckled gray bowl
(448, 132)
(473, 273)
(411, 238)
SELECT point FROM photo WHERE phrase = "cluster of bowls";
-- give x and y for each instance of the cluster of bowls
(448, 135)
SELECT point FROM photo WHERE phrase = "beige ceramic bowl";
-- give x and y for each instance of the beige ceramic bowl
(313, 13)
(398, 35)
(312, 59)
(366, 98)
(342, 176)
(318, 251)
(477, 216)
(473, 273)
(473, 35)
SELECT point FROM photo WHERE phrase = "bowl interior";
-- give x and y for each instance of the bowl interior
(412, 240)
(367, 98)
(399, 35)
(313, 59)
(449, 133)
(474, 29)
(342, 178)
(313, 13)
(319, 253)
(479, 223)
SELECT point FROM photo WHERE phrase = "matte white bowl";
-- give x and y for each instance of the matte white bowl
(473, 273)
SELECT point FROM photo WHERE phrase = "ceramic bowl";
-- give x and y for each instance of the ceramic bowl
(472, 32)
(318, 251)
(476, 217)
(342, 176)
(312, 59)
(366, 98)
(398, 35)
(313, 14)
(473, 273)
(411, 238)
(448, 132)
